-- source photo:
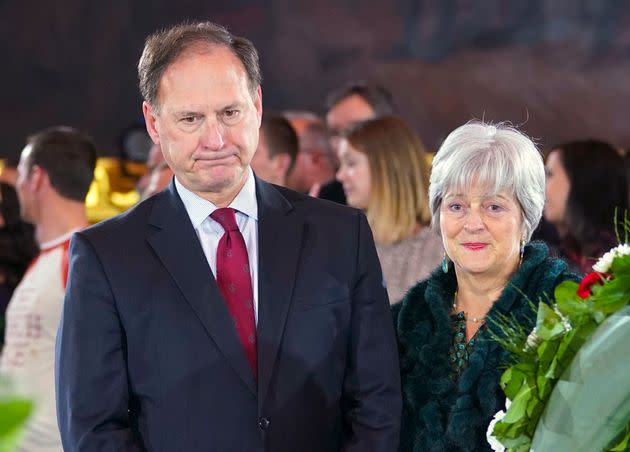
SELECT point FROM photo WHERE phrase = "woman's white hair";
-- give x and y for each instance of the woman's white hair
(496, 156)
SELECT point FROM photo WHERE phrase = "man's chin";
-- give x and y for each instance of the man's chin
(223, 183)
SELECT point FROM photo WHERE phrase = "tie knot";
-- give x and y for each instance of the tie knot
(226, 218)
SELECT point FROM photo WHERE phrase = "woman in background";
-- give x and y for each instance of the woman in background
(586, 181)
(383, 171)
(486, 195)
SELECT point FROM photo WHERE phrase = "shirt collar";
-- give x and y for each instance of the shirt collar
(199, 209)
(50, 244)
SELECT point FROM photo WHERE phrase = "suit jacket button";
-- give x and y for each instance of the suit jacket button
(263, 423)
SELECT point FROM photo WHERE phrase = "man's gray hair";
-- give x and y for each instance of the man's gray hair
(496, 156)
(163, 47)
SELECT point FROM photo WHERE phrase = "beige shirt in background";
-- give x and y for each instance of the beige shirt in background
(409, 261)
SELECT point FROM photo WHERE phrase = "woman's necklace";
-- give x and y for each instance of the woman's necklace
(471, 319)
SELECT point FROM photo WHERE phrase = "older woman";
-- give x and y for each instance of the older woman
(383, 171)
(487, 193)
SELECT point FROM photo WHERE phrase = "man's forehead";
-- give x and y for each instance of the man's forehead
(207, 66)
(350, 110)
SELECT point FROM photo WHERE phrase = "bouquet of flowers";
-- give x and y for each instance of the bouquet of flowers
(569, 385)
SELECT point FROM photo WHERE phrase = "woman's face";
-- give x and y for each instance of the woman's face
(557, 188)
(354, 175)
(481, 232)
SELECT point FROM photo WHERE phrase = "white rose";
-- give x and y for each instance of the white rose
(495, 444)
(604, 262)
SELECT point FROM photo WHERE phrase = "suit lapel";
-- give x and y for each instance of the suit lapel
(176, 245)
(279, 243)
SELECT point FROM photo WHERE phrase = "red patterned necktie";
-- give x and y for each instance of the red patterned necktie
(235, 282)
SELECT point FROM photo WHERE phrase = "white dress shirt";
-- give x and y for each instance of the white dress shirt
(210, 232)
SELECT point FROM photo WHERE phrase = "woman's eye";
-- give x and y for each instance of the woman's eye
(495, 208)
(455, 207)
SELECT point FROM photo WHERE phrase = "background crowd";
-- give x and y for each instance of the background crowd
(357, 151)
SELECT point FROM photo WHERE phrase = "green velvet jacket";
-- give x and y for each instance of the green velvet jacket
(440, 414)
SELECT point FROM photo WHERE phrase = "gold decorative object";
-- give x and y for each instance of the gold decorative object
(112, 191)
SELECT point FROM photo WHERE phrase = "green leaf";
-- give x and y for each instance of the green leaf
(517, 410)
(512, 380)
(569, 303)
(546, 352)
(565, 345)
(518, 444)
(13, 413)
(622, 442)
(552, 372)
(548, 323)
(613, 296)
(621, 266)
(544, 385)
(598, 316)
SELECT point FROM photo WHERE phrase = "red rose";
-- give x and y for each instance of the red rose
(584, 290)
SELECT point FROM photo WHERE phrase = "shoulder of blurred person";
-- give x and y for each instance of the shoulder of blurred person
(409, 260)
(422, 322)
(332, 191)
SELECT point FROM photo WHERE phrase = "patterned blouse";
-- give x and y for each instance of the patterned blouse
(409, 261)
(460, 349)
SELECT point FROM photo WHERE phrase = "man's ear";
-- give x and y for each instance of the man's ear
(283, 161)
(316, 156)
(258, 104)
(150, 117)
(38, 178)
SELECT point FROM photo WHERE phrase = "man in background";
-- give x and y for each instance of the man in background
(315, 163)
(352, 103)
(277, 149)
(54, 175)
(158, 175)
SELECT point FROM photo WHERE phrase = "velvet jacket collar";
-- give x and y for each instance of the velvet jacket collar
(438, 413)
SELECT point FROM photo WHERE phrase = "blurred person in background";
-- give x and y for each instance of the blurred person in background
(158, 175)
(586, 182)
(383, 172)
(352, 103)
(487, 194)
(17, 248)
(315, 163)
(54, 175)
(277, 149)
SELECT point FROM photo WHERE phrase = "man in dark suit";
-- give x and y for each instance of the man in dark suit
(217, 315)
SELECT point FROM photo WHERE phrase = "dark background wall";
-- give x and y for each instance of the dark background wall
(559, 68)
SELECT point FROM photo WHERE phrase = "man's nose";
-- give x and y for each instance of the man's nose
(212, 136)
(340, 174)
